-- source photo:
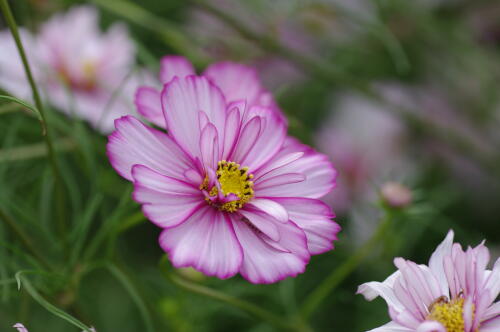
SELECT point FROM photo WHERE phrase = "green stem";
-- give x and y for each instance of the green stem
(344, 270)
(23, 237)
(252, 309)
(11, 22)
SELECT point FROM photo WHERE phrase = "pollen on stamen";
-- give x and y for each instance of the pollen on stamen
(233, 179)
(448, 313)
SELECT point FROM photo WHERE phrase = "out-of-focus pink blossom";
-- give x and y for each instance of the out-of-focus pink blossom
(455, 292)
(78, 67)
(232, 192)
(365, 144)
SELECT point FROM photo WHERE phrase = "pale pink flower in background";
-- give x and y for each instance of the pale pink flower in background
(232, 192)
(237, 82)
(20, 328)
(366, 146)
(78, 66)
(455, 292)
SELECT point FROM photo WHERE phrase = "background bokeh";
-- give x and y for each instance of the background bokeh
(404, 91)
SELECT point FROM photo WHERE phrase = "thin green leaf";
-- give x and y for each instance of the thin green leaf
(33, 109)
(48, 306)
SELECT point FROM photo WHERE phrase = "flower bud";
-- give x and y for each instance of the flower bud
(396, 195)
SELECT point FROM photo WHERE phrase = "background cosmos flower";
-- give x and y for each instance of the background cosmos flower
(79, 74)
(232, 191)
(453, 293)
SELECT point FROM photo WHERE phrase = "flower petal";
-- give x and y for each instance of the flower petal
(263, 263)
(237, 81)
(269, 141)
(492, 325)
(206, 241)
(373, 289)
(314, 218)
(134, 143)
(246, 141)
(436, 262)
(270, 207)
(174, 65)
(167, 201)
(431, 326)
(148, 103)
(20, 327)
(261, 221)
(320, 174)
(182, 100)
(391, 327)
(209, 146)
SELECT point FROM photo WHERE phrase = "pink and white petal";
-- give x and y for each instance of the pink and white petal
(270, 140)
(436, 262)
(263, 263)
(373, 289)
(431, 326)
(134, 143)
(391, 327)
(270, 207)
(175, 65)
(492, 325)
(492, 281)
(167, 202)
(237, 81)
(315, 218)
(277, 162)
(151, 179)
(209, 146)
(405, 317)
(20, 327)
(148, 103)
(246, 140)
(206, 241)
(320, 174)
(261, 221)
(492, 311)
(231, 131)
(278, 180)
(420, 283)
(468, 312)
(182, 100)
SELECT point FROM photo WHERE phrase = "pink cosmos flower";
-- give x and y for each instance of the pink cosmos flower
(79, 67)
(454, 293)
(236, 81)
(231, 191)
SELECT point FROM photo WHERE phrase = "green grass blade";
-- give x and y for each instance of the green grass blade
(21, 280)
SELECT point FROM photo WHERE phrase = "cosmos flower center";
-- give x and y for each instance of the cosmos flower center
(88, 81)
(233, 189)
(448, 313)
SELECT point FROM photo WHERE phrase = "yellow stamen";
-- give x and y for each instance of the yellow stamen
(449, 313)
(233, 180)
